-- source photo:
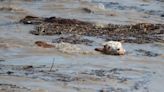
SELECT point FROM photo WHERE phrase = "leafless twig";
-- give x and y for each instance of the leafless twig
(52, 64)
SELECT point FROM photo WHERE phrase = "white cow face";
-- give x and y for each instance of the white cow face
(113, 47)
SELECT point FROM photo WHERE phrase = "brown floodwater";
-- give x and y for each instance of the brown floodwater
(24, 67)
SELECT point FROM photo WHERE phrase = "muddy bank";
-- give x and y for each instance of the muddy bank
(136, 80)
(147, 53)
(12, 88)
(138, 33)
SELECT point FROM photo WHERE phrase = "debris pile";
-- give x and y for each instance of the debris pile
(73, 39)
(138, 33)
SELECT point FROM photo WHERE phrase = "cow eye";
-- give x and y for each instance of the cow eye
(105, 46)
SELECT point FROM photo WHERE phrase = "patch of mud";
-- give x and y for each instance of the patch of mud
(138, 78)
(13, 9)
(7, 45)
(140, 6)
(2, 60)
(35, 72)
(147, 53)
(138, 33)
(111, 89)
(135, 79)
(73, 39)
(119, 74)
(12, 88)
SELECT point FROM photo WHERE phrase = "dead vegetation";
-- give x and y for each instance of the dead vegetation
(138, 33)
(73, 39)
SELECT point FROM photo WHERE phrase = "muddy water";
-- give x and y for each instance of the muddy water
(25, 67)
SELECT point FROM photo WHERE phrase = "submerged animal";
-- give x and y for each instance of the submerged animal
(112, 48)
(64, 47)
(44, 44)
(67, 47)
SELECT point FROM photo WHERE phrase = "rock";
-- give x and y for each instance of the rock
(9, 72)
(28, 67)
(31, 20)
(162, 15)
(2, 60)
(112, 48)
(87, 10)
(101, 6)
